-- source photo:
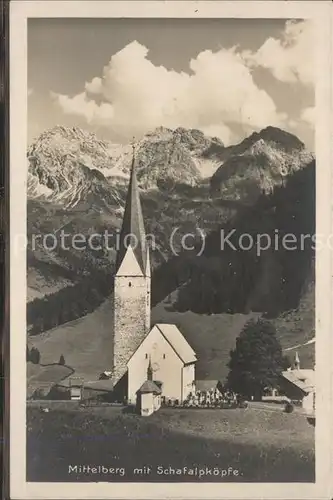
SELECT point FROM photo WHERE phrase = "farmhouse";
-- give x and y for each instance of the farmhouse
(136, 345)
(299, 384)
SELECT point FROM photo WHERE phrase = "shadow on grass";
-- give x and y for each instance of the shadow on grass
(60, 439)
(70, 368)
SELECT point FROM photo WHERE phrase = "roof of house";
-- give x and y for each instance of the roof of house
(149, 386)
(303, 379)
(178, 342)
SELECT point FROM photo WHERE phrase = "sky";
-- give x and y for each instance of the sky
(122, 78)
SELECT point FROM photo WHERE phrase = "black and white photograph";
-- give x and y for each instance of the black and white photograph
(169, 303)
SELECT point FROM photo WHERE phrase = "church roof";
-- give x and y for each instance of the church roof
(150, 386)
(177, 342)
(133, 231)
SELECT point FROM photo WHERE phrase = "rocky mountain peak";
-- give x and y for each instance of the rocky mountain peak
(281, 137)
(258, 163)
(64, 159)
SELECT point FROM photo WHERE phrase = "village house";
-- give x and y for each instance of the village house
(298, 384)
(136, 343)
(75, 388)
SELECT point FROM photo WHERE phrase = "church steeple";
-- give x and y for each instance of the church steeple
(131, 298)
(133, 230)
(149, 370)
(297, 361)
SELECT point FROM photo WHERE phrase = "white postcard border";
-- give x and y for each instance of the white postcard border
(20, 10)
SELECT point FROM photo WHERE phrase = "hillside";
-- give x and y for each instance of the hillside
(87, 343)
(243, 278)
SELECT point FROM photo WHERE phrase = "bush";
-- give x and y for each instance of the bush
(289, 408)
(34, 355)
(38, 394)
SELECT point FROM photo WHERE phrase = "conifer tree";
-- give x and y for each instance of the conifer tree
(257, 361)
(35, 355)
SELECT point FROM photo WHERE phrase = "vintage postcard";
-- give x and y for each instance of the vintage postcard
(170, 249)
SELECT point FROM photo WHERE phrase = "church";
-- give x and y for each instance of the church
(159, 354)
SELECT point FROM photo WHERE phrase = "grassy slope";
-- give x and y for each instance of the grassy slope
(44, 377)
(262, 445)
(87, 344)
(211, 336)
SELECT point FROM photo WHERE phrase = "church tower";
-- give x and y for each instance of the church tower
(132, 283)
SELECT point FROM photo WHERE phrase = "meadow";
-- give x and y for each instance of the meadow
(260, 444)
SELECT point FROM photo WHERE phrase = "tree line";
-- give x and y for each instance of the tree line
(34, 356)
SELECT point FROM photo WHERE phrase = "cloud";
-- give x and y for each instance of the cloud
(95, 86)
(308, 115)
(81, 105)
(289, 59)
(135, 96)
(217, 93)
(306, 119)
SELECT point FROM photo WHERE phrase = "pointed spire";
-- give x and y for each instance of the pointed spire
(149, 370)
(129, 266)
(133, 231)
(297, 361)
